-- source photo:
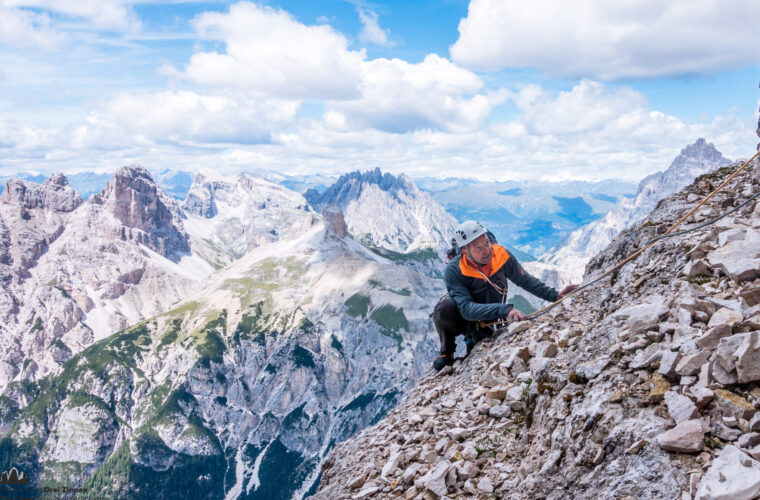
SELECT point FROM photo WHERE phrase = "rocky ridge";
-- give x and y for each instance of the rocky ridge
(572, 254)
(645, 386)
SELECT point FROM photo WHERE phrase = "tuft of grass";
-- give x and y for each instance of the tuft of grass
(208, 340)
(577, 378)
(37, 324)
(171, 336)
(700, 279)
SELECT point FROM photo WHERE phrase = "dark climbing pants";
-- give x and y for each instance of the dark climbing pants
(449, 323)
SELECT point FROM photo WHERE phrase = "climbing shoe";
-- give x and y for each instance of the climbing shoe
(443, 360)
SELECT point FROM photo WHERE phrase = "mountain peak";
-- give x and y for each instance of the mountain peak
(350, 186)
(133, 198)
(701, 151)
(57, 179)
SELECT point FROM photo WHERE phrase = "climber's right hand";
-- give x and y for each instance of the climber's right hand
(515, 315)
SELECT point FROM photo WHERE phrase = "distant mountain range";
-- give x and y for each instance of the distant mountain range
(529, 216)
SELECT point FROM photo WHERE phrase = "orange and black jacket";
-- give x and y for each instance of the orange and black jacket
(477, 299)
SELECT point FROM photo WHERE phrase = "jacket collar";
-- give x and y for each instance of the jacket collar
(499, 257)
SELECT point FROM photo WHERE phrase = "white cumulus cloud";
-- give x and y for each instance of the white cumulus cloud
(399, 97)
(183, 117)
(268, 51)
(609, 40)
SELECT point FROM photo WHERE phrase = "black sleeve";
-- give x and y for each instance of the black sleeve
(527, 282)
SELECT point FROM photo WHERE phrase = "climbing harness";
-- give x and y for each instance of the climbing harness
(665, 235)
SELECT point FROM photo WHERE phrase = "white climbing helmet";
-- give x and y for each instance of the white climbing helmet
(467, 231)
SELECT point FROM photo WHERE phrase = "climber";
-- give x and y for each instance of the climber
(476, 284)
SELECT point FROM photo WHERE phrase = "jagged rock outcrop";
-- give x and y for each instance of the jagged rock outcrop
(146, 215)
(628, 390)
(335, 223)
(572, 255)
(33, 216)
(53, 194)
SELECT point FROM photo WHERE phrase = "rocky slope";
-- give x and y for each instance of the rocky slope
(645, 386)
(240, 390)
(572, 254)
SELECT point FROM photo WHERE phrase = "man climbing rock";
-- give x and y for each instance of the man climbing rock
(476, 282)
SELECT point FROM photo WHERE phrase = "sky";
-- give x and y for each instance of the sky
(544, 90)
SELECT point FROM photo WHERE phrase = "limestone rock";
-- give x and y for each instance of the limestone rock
(457, 433)
(748, 358)
(712, 337)
(591, 369)
(754, 424)
(658, 387)
(546, 349)
(725, 432)
(729, 236)
(485, 485)
(497, 393)
(725, 316)
(642, 317)
(734, 405)
(668, 363)
(356, 482)
(648, 356)
(519, 327)
(335, 223)
(680, 407)
(740, 260)
(749, 440)
(689, 365)
(750, 296)
(392, 464)
(685, 437)
(702, 395)
(731, 476)
(410, 473)
(435, 479)
(499, 411)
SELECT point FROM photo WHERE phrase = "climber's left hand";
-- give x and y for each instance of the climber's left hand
(566, 290)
